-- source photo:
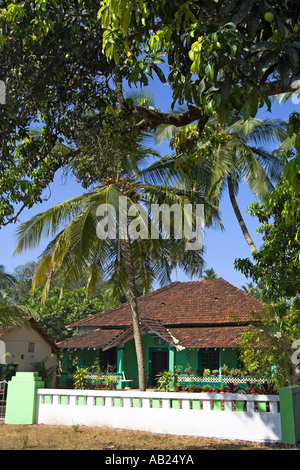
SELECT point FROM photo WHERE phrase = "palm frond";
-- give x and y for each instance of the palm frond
(46, 224)
(15, 314)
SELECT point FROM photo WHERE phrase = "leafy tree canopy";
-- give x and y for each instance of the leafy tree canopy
(61, 58)
(276, 269)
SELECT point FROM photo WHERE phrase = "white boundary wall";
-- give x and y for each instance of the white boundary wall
(212, 415)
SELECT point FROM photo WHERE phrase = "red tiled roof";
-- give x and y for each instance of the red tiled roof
(183, 303)
(208, 337)
(147, 325)
(94, 339)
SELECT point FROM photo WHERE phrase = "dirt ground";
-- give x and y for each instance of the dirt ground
(44, 437)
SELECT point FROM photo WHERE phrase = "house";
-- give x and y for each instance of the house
(182, 324)
(22, 346)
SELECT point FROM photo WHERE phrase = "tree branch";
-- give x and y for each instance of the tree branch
(277, 87)
(154, 118)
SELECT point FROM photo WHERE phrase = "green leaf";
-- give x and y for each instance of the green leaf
(209, 72)
(125, 21)
(195, 67)
(159, 73)
(201, 87)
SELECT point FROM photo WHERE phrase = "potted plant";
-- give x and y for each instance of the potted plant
(225, 369)
(166, 381)
(188, 370)
(235, 372)
(110, 383)
(206, 372)
(215, 372)
(178, 369)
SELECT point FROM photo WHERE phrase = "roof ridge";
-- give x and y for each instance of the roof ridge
(117, 307)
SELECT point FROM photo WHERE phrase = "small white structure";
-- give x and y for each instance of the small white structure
(23, 346)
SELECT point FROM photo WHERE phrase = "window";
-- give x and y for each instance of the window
(208, 359)
(108, 357)
(30, 347)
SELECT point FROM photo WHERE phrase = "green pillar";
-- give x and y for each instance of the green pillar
(287, 397)
(21, 398)
(65, 368)
(120, 360)
(171, 358)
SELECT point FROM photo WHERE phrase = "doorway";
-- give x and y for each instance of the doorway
(159, 361)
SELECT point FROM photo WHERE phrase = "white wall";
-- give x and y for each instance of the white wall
(17, 343)
(103, 408)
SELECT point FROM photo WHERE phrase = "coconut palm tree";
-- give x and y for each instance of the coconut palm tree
(12, 313)
(210, 274)
(225, 155)
(106, 247)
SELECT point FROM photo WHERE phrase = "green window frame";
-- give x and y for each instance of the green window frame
(208, 358)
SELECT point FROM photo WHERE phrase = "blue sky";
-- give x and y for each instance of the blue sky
(221, 248)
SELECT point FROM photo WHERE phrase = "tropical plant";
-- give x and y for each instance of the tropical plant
(6, 280)
(106, 248)
(225, 369)
(210, 274)
(235, 372)
(45, 372)
(232, 387)
(188, 369)
(12, 313)
(275, 266)
(220, 56)
(269, 387)
(110, 382)
(250, 388)
(166, 380)
(80, 379)
(221, 158)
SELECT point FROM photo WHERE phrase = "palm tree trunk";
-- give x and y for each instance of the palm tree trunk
(239, 215)
(134, 311)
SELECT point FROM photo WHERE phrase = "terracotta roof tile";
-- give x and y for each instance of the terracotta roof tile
(183, 303)
(94, 339)
(208, 337)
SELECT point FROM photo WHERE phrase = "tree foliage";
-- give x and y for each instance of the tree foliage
(276, 268)
(61, 58)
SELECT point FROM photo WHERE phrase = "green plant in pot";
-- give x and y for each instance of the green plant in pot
(225, 369)
(167, 380)
(110, 382)
(178, 370)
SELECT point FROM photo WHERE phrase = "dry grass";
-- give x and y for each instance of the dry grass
(44, 437)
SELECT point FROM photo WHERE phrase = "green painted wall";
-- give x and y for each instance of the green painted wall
(86, 357)
(21, 398)
(150, 343)
(185, 358)
(229, 357)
